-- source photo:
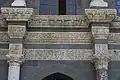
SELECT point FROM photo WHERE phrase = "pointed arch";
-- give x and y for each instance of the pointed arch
(62, 69)
(57, 76)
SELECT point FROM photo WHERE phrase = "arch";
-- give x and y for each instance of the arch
(57, 76)
(62, 69)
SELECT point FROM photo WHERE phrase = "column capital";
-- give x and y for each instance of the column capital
(15, 58)
(15, 53)
(101, 61)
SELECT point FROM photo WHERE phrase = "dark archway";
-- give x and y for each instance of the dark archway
(57, 76)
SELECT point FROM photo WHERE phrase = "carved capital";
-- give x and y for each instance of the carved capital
(17, 14)
(15, 58)
(100, 15)
(101, 61)
(16, 31)
(15, 53)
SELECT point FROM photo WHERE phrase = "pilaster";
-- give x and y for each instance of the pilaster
(100, 20)
(17, 19)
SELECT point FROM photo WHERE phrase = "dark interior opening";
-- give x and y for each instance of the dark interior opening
(57, 76)
(62, 7)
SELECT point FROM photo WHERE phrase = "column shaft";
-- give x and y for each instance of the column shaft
(14, 70)
(101, 74)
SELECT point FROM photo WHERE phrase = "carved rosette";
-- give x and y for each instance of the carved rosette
(16, 31)
(101, 61)
(100, 15)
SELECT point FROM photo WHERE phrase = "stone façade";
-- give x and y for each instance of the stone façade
(93, 37)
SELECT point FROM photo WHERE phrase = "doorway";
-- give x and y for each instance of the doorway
(57, 76)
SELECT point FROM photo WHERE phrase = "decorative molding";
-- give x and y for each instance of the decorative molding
(16, 31)
(100, 15)
(35, 54)
(76, 21)
(100, 32)
(101, 60)
(58, 37)
(17, 14)
(2, 22)
(57, 54)
(4, 37)
(15, 53)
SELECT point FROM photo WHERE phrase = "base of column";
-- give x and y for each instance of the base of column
(98, 3)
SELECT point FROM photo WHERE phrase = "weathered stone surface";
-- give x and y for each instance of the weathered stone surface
(36, 37)
(100, 32)
(15, 53)
(100, 15)
(31, 54)
(17, 14)
(114, 38)
(59, 21)
(102, 74)
(3, 53)
(58, 37)
(101, 61)
(115, 54)
(16, 31)
(101, 49)
(2, 21)
(4, 36)
(57, 54)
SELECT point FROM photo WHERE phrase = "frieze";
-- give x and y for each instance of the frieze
(59, 21)
(37, 37)
(57, 54)
(100, 15)
(36, 54)
(58, 37)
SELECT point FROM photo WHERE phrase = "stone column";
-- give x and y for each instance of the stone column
(19, 3)
(100, 20)
(100, 47)
(16, 31)
(98, 3)
(101, 66)
(15, 58)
